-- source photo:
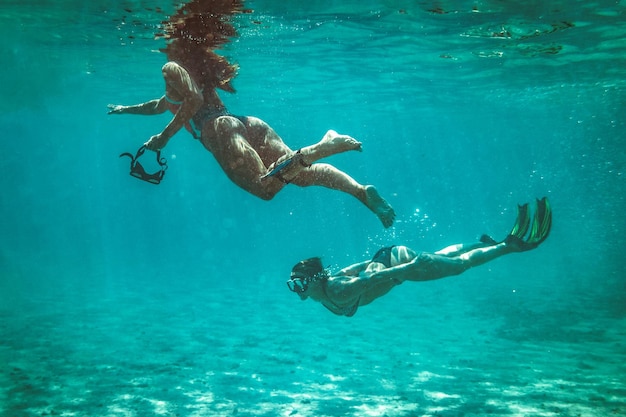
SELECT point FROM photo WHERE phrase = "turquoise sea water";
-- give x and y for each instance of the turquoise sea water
(120, 298)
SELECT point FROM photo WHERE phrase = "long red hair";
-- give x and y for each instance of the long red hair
(192, 34)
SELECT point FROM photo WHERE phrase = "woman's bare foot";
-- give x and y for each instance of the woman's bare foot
(379, 206)
(340, 143)
(332, 143)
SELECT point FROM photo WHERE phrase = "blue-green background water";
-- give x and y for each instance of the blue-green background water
(122, 298)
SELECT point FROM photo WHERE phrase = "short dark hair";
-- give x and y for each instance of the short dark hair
(308, 267)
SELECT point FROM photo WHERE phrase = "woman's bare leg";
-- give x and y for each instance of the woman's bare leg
(265, 141)
(429, 266)
(226, 137)
(332, 143)
(460, 248)
(272, 149)
(245, 149)
(483, 255)
(328, 176)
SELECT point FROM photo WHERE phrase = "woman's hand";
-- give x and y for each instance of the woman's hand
(156, 142)
(116, 109)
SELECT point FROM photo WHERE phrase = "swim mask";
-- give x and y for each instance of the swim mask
(138, 171)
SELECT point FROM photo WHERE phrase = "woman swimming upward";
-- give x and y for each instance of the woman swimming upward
(249, 151)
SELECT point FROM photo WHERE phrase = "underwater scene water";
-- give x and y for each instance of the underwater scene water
(123, 298)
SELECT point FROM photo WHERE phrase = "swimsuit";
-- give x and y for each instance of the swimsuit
(383, 256)
(194, 125)
(348, 311)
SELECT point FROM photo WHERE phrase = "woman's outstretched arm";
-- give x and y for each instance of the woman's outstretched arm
(354, 270)
(149, 108)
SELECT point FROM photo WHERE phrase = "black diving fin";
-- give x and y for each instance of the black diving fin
(539, 230)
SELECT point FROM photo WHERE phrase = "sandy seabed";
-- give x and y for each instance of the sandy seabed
(132, 352)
